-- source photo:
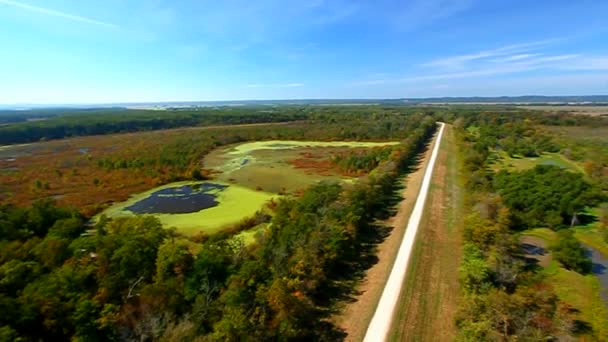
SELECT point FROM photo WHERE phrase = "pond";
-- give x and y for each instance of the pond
(600, 269)
(192, 207)
(179, 200)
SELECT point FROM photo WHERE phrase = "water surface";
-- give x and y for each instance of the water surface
(179, 199)
(600, 269)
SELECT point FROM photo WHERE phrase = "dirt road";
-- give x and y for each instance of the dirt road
(380, 325)
(355, 315)
(430, 295)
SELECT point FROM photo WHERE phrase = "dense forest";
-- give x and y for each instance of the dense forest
(505, 296)
(130, 120)
(37, 125)
(129, 279)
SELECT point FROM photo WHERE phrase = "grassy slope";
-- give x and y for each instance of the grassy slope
(580, 291)
(429, 299)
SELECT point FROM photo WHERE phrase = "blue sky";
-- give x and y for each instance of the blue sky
(68, 51)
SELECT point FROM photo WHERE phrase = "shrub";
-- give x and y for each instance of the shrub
(571, 254)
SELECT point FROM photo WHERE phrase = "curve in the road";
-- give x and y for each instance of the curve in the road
(380, 325)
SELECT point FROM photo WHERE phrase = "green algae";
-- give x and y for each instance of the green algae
(239, 156)
(234, 203)
(265, 165)
(254, 173)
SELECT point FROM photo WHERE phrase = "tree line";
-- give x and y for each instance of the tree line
(130, 120)
(64, 123)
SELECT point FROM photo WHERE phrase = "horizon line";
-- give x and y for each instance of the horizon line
(292, 99)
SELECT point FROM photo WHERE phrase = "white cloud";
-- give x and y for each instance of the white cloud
(507, 53)
(514, 58)
(275, 85)
(411, 15)
(55, 13)
(510, 59)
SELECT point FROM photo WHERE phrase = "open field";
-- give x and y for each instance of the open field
(504, 161)
(590, 135)
(429, 299)
(68, 170)
(281, 166)
(580, 291)
(572, 109)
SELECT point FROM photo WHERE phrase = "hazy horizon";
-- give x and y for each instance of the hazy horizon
(457, 99)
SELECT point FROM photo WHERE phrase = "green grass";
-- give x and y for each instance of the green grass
(438, 297)
(235, 203)
(248, 236)
(266, 165)
(544, 233)
(583, 293)
(247, 148)
(580, 291)
(504, 161)
(591, 234)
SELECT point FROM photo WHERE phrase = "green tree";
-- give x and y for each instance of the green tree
(570, 253)
(475, 274)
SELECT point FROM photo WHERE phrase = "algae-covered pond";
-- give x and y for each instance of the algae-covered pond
(269, 165)
(247, 177)
(194, 206)
(182, 199)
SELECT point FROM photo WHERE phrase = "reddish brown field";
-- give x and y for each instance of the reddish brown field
(320, 162)
(67, 170)
(61, 170)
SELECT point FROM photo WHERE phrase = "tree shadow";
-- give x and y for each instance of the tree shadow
(533, 249)
(341, 288)
(390, 207)
(581, 328)
(586, 219)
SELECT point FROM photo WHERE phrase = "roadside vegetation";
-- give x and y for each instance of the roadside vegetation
(506, 293)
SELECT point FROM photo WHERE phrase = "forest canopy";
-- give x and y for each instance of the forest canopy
(545, 195)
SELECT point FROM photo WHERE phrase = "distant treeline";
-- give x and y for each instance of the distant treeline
(58, 124)
(47, 124)
(106, 121)
(16, 116)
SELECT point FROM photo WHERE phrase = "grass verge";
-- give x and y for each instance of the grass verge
(430, 296)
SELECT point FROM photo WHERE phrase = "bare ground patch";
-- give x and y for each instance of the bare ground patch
(535, 249)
